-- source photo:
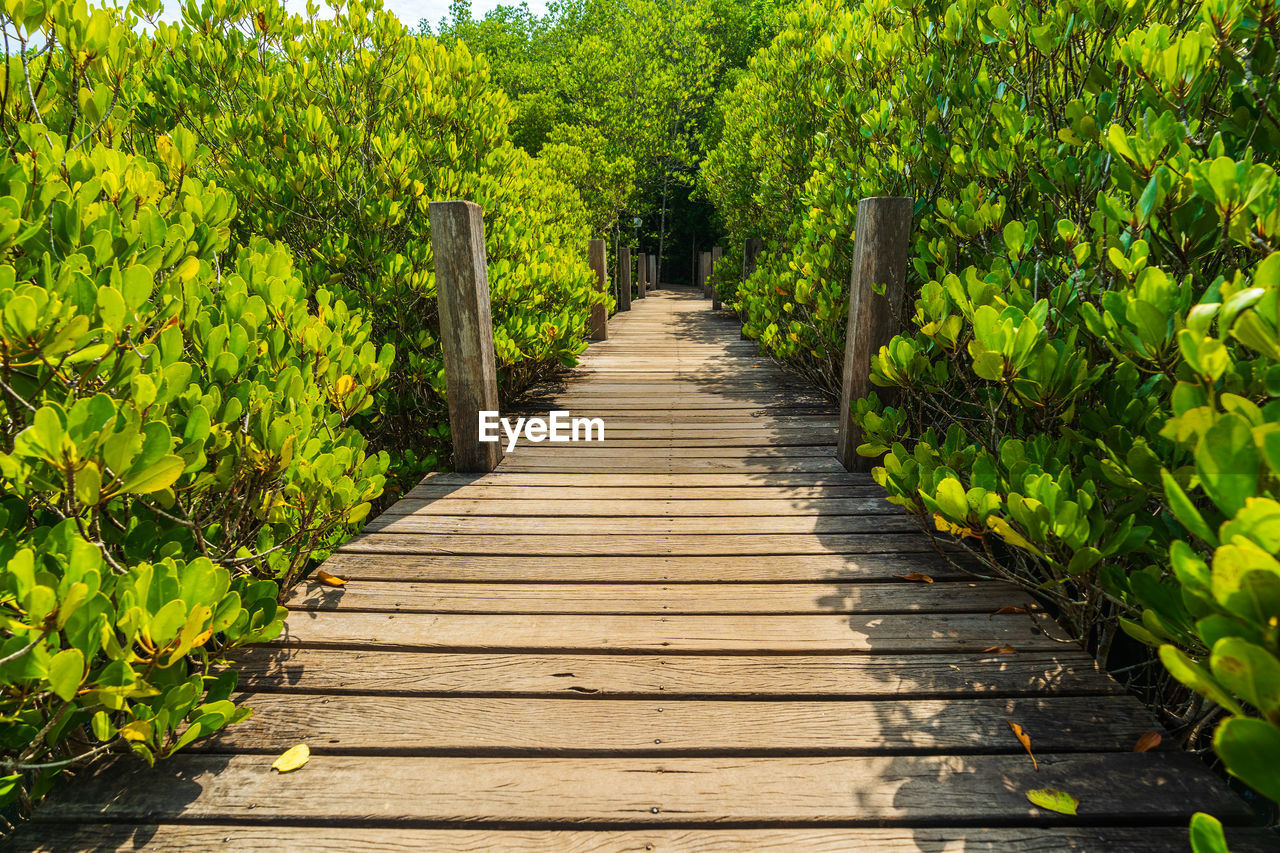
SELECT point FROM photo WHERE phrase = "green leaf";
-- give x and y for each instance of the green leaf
(1248, 671)
(1053, 800)
(1207, 835)
(160, 475)
(1195, 676)
(66, 671)
(1250, 748)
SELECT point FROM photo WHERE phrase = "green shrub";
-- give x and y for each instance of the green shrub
(1087, 395)
(176, 413)
(334, 135)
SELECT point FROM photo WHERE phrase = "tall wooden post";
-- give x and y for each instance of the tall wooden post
(751, 250)
(598, 328)
(716, 252)
(880, 245)
(466, 330)
(704, 273)
(653, 272)
(642, 268)
(624, 278)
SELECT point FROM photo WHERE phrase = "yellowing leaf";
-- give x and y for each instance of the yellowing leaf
(293, 758)
(136, 730)
(916, 576)
(1025, 740)
(329, 580)
(1009, 609)
(1053, 800)
(1006, 649)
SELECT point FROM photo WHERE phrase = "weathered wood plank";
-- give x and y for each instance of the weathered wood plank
(427, 597)
(638, 569)
(418, 726)
(1063, 671)
(532, 496)
(779, 545)
(891, 520)
(560, 503)
(1159, 786)
(185, 838)
(891, 633)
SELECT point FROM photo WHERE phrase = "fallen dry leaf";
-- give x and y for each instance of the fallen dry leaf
(1053, 800)
(1010, 609)
(292, 758)
(1025, 740)
(916, 576)
(328, 579)
(1006, 649)
(1148, 741)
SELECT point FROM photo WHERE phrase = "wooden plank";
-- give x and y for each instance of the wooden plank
(777, 545)
(419, 726)
(776, 479)
(823, 464)
(1113, 787)
(892, 520)
(364, 838)
(892, 633)
(638, 569)
(815, 496)
(560, 503)
(584, 451)
(398, 596)
(1063, 671)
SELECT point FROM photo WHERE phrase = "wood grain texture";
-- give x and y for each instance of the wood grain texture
(198, 838)
(466, 329)
(833, 633)
(428, 597)
(862, 790)
(598, 322)
(1062, 671)
(880, 246)
(624, 278)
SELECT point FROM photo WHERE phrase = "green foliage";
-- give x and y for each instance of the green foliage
(340, 159)
(1088, 394)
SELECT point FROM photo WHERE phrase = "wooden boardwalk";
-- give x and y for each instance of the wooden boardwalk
(697, 636)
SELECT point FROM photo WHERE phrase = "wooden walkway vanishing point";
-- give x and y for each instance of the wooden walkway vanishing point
(696, 636)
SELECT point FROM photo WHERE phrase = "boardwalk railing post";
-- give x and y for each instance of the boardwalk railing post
(716, 252)
(624, 278)
(466, 330)
(642, 274)
(598, 330)
(653, 273)
(751, 250)
(881, 240)
(704, 273)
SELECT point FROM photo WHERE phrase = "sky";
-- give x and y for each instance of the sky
(408, 11)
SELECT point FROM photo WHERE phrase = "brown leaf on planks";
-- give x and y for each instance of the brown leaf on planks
(1148, 742)
(329, 580)
(916, 576)
(1010, 609)
(1025, 740)
(1006, 649)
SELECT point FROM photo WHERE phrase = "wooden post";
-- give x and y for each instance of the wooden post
(653, 272)
(716, 252)
(466, 330)
(704, 273)
(881, 241)
(751, 250)
(642, 275)
(598, 328)
(624, 278)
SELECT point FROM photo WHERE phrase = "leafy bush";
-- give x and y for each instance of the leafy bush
(334, 135)
(177, 436)
(1088, 393)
